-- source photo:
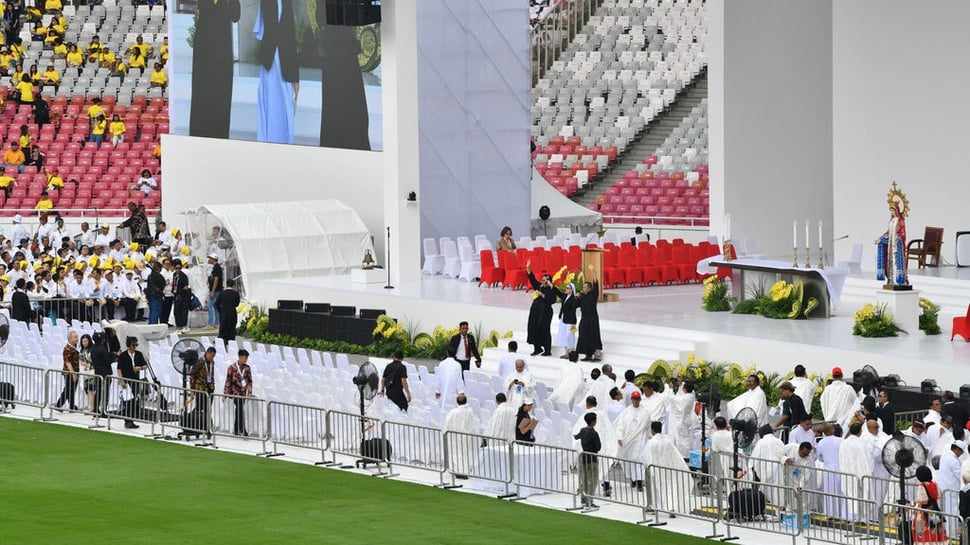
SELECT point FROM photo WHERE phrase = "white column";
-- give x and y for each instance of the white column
(401, 167)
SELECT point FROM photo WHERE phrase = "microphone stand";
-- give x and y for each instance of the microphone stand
(388, 267)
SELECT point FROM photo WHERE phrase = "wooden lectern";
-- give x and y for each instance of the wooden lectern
(594, 257)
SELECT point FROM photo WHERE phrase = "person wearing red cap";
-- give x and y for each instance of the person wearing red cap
(838, 400)
(632, 428)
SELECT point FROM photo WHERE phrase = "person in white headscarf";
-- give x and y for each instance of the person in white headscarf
(571, 387)
(669, 480)
(856, 462)
(502, 423)
(838, 400)
(461, 447)
(754, 397)
(631, 433)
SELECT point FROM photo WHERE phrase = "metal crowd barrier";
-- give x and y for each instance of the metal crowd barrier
(740, 508)
(418, 447)
(921, 525)
(68, 391)
(23, 385)
(358, 437)
(185, 410)
(143, 405)
(905, 419)
(297, 426)
(834, 523)
(547, 468)
(238, 416)
(494, 461)
(620, 472)
(670, 491)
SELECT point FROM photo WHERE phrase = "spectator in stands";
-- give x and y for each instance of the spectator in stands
(106, 59)
(25, 139)
(94, 110)
(5, 60)
(51, 37)
(94, 47)
(136, 61)
(38, 32)
(117, 130)
(34, 13)
(34, 74)
(14, 157)
(60, 48)
(212, 51)
(163, 51)
(119, 70)
(73, 57)
(52, 5)
(18, 51)
(7, 184)
(25, 88)
(98, 129)
(50, 77)
(58, 23)
(159, 78)
(505, 241)
(144, 49)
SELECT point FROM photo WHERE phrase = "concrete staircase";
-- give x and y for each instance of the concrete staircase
(651, 138)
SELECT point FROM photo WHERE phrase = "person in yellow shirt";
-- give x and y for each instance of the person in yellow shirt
(17, 49)
(119, 70)
(59, 23)
(7, 184)
(33, 13)
(117, 130)
(45, 202)
(159, 78)
(95, 110)
(26, 88)
(50, 77)
(51, 37)
(34, 74)
(95, 46)
(26, 139)
(54, 181)
(157, 151)
(60, 49)
(146, 50)
(106, 59)
(16, 72)
(52, 5)
(74, 56)
(98, 129)
(136, 60)
(14, 157)
(5, 60)
(39, 32)
(163, 51)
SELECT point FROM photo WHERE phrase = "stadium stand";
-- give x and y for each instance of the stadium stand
(104, 174)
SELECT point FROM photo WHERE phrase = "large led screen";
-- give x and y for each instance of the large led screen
(274, 71)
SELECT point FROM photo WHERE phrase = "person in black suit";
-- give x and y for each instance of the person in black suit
(227, 302)
(885, 412)
(953, 410)
(212, 64)
(540, 313)
(182, 294)
(131, 363)
(101, 359)
(20, 304)
(464, 346)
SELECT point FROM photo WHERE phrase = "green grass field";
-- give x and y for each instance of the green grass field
(70, 485)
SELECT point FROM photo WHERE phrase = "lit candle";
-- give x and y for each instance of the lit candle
(727, 226)
(820, 234)
(794, 234)
(806, 234)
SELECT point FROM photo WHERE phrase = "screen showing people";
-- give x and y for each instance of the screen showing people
(275, 71)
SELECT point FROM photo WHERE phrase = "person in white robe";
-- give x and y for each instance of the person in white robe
(631, 433)
(856, 462)
(722, 450)
(827, 451)
(461, 448)
(798, 465)
(754, 398)
(804, 388)
(763, 462)
(654, 401)
(838, 400)
(279, 82)
(943, 440)
(628, 387)
(669, 480)
(571, 387)
(880, 486)
(519, 384)
(615, 405)
(949, 483)
(933, 414)
(506, 364)
(682, 422)
(600, 388)
(502, 423)
(450, 382)
(802, 433)
(918, 431)
(607, 433)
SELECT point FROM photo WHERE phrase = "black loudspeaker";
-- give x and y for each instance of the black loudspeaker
(343, 310)
(928, 386)
(891, 381)
(371, 313)
(318, 308)
(965, 391)
(353, 12)
(289, 304)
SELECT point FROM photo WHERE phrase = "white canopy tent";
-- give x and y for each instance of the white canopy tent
(565, 212)
(284, 239)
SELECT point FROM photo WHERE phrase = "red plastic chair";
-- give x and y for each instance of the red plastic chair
(649, 271)
(515, 275)
(613, 274)
(491, 274)
(627, 260)
(961, 326)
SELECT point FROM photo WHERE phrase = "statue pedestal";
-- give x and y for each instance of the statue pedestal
(904, 306)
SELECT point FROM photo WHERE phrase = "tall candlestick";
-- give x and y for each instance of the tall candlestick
(806, 234)
(820, 244)
(794, 234)
(808, 255)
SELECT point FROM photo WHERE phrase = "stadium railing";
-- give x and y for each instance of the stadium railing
(298, 426)
(900, 520)
(56, 382)
(173, 413)
(548, 468)
(619, 472)
(494, 461)
(27, 386)
(143, 403)
(417, 447)
(358, 437)
(905, 419)
(226, 409)
(678, 493)
(735, 508)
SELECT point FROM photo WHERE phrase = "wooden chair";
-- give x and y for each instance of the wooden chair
(926, 250)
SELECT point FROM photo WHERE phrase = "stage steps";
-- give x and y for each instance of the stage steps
(625, 346)
(951, 294)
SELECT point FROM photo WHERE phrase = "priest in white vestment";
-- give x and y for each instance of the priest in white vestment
(949, 483)
(519, 384)
(918, 431)
(669, 482)
(754, 398)
(600, 389)
(944, 438)
(632, 428)
(461, 448)
(802, 432)
(571, 387)
(450, 382)
(933, 414)
(655, 402)
(722, 450)
(838, 400)
(856, 462)
(827, 451)
(607, 433)
(506, 364)
(502, 422)
(804, 388)
(880, 488)
(764, 458)
(628, 387)
(682, 422)
(798, 465)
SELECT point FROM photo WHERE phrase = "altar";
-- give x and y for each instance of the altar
(823, 284)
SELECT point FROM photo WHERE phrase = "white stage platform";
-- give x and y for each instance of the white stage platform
(668, 322)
